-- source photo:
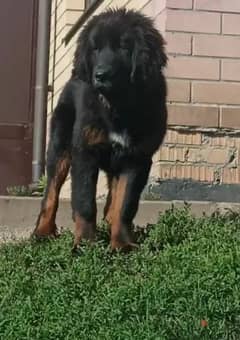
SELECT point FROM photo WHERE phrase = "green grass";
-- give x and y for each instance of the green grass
(185, 271)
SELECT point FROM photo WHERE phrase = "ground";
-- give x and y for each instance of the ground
(182, 283)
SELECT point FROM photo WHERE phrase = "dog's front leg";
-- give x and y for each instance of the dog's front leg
(127, 194)
(84, 182)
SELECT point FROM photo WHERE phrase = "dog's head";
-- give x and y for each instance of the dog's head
(117, 49)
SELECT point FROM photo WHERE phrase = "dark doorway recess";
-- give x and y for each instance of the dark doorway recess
(18, 22)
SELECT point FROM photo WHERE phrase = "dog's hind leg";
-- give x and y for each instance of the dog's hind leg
(58, 163)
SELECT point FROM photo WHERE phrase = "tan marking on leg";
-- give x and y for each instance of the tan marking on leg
(94, 136)
(83, 230)
(46, 222)
(120, 233)
(110, 210)
(46, 225)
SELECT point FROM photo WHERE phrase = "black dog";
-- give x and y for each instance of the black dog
(112, 116)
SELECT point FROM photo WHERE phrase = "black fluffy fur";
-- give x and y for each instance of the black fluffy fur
(132, 104)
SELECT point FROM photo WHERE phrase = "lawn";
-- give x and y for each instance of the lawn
(182, 283)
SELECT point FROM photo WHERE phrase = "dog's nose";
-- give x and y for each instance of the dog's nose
(102, 75)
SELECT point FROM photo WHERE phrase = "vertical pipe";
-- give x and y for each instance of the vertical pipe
(54, 51)
(41, 87)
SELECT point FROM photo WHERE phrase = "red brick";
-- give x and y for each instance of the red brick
(193, 115)
(231, 175)
(230, 117)
(216, 46)
(178, 43)
(230, 69)
(160, 21)
(184, 4)
(216, 92)
(208, 155)
(154, 7)
(172, 153)
(178, 90)
(190, 21)
(186, 138)
(231, 24)
(198, 173)
(155, 166)
(226, 141)
(218, 5)
(193, 68)
(218, 141)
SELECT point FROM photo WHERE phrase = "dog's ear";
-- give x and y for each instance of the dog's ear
(139, 59)
(82, 67)
(148, 57)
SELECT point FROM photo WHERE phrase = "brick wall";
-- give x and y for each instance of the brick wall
(203, 142)
(203, 44)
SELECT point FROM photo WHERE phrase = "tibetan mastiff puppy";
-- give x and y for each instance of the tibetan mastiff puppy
(111, 115)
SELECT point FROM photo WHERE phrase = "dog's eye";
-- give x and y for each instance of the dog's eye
(125, 51)
(125, 47)
(125, 44)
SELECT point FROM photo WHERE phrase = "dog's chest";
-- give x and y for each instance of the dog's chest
(119, 139)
